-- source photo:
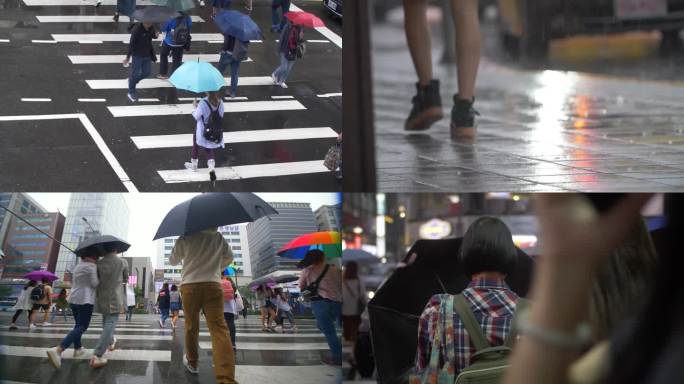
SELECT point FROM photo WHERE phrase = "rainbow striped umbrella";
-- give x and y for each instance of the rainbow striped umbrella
(329, 242)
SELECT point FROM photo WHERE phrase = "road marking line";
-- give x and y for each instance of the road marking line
(310, 41)
(119, 354)
(43, 3)
(236, 98)
(29, 99)
(325, 31)
(85, 336)
(117, 59)
(79, 37)
(297, 335)
(44, 41)
(90, 42)
(221, 41)
(330, 94)
(149, 100)
(256, 346)
(107, 153)
(185, 140)
(183, 109)
(92, 100)
(282, 97)
(4, 41)
(159, 83)
(244, 171)
(92, 19)
(132, 329)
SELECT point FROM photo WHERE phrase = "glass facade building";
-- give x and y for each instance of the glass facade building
(268, 234)
(106, 213)
(328, 217)
(27, 249)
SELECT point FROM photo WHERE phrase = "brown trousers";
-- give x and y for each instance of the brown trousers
(208, 296)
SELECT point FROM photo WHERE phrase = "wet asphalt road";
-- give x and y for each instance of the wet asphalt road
(147, 354)
(542, 128)
(59, 153)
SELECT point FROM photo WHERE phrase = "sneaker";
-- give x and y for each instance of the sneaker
(12, 326)
(212, 176)
(162, 77)
(463, 119)
(99, 2)
(189, 367)
(48, 323)
(97, 362)
(79, 352)
(275, 81)
(283, 85)
(133, 98)
(193, 167)
(112, 346)
(427, 107)
(330, 361)
(32, 326)
(54, 357)
(160, 322)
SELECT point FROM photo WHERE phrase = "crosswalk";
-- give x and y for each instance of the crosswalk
(259, 99)
(261, 357)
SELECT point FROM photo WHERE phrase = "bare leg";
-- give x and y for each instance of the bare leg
(467, 23)
(418, 38)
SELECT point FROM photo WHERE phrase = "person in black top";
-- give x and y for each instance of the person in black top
(164, 302)
(141, 55)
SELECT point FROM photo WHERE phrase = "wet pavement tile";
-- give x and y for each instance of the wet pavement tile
(538, 130)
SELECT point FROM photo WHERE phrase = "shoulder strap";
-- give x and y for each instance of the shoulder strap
(471, 325)
(513, 331)
(325, 270)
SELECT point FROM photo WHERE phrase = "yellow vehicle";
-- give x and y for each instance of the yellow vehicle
(527, 26)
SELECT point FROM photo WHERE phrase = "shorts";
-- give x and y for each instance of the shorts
(270, 305)
(39, 306)
(175, 307)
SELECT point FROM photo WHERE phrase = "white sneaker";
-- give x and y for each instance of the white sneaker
(48, 323)
(192, 165)
(97, 362)
(201, 3)
(79, 352)
(54, 357)
(188, 366)
(33, 326)
(283, 85)
(132, 98)
(112, 346)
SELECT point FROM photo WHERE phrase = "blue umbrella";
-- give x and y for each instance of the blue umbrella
(238, 25)
(197, 76)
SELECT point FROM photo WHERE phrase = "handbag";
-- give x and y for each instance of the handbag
(311, 290)
(332, 158)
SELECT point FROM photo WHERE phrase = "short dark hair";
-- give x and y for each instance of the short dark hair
(315, 255)
(45, 280)
(488, 247)
(174, 287)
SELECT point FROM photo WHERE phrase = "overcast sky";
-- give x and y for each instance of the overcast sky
(147, 210)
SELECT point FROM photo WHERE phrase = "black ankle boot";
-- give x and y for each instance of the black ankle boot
(427, 107)
(463, 118)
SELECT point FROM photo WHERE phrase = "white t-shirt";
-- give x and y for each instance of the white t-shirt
(230, 306)
(85, 282)
(352, 290)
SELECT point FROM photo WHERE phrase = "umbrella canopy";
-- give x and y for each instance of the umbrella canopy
(178, 5)
(329, 242)
(238, 25)
(154, 14)
(305, 19)
(359, 256)
(40, 275)
(394, 311)
(98, 243)
(197, 76)
(212, 210)
(272, 281)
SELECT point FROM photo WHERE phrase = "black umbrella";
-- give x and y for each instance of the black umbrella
(155, 14)
(396, 307)
(100, 243)
(212, 210)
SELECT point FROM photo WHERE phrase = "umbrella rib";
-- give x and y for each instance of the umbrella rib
(36, 228)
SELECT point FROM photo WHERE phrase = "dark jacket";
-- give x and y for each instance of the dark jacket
(141, 42)
(164, 299)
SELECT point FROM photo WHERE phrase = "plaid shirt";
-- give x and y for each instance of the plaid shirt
(493, 304)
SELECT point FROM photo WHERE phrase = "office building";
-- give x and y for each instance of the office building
(19, 203)
(328, 217)
(268, 234)
(90, 214)
(141, 275)
(27, 247)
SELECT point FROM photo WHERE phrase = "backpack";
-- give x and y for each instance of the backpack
(228, 292)
(487, 365)
(213, 128)
(239, 50)
(181, 33)
(38, 293)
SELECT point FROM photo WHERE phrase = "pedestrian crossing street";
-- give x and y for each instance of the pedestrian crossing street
(261, 115)
(141, 344)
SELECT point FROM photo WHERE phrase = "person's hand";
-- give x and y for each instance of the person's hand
(572, 229)
(126, 61)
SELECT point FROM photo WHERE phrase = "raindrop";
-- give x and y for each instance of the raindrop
(670, 142)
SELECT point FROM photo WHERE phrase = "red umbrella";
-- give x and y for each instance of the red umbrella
(305, 19)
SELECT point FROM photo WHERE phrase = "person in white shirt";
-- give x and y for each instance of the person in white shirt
(24, 303)
(130, 302)
(81, 299)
